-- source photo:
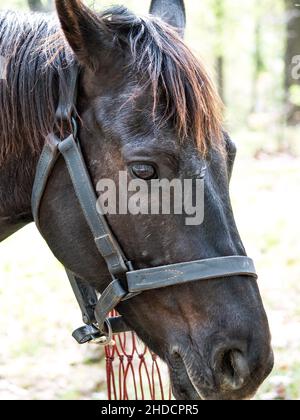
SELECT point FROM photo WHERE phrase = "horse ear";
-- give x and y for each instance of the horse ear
(171, 11)
(83, 30)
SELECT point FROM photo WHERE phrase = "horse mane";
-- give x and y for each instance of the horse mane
(29, 92)
(36, 54)
(175, 76)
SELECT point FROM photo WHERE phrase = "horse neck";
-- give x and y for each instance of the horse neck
(23, 140)
(16, 181)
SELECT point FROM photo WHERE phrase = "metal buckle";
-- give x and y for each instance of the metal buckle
(92, 334)
(75, 127)
(105, 339)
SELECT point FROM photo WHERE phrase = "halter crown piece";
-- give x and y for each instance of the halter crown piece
(98, 327)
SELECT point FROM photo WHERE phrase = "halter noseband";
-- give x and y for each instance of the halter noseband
(99, 328)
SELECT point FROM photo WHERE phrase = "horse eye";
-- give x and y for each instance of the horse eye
(144, 171)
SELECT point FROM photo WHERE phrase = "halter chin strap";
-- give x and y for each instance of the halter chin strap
(98, 328)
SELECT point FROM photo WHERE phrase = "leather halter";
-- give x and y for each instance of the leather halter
(98, 328)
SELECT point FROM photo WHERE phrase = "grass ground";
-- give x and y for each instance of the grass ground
(38, 358)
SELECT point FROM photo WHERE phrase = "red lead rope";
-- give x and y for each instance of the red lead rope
(135, 373)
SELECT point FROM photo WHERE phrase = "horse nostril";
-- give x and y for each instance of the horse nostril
(232, 370)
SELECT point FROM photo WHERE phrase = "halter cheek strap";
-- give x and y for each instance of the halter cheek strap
(107, 246)
(98, 328)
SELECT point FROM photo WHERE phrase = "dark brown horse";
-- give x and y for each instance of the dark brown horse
(146, 105)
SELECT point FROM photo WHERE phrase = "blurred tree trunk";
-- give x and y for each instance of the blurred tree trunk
(39, 6)
(219, 10)
(220, 73)
(292, 78)
(258, 55)
(258, 64)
